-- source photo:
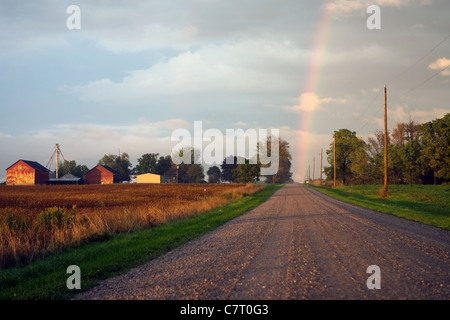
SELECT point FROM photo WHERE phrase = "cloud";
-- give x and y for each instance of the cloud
(403, 113)
(87, 143)
(309, 102)
(235, 68)
(343, 8)
(440, 64)
(240, 124)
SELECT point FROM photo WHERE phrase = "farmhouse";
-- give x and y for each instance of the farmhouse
(27, 172)
(148, 178)
(101, 175)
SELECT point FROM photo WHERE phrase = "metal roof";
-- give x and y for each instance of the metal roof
(35, 165)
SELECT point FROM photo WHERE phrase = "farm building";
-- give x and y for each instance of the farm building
(148, 178)
(101, 175)
(27, 172)
(66, 179)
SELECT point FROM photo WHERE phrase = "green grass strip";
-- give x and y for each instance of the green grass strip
(427, 204)
(46, 279)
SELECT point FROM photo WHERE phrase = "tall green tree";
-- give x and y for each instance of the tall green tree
(229, 164)
(189, 171)
(284, 173)
(120, 163)
(70, 166)
(147, 163)
(213, 174)
(411, 156)
(435, 137)
(194, 173)
(164, 164)
(247, 172)
(350, 152)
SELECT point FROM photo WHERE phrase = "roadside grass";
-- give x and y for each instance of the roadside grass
(45, 279)
(428, 204)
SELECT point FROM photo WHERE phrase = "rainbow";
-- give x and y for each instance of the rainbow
(311, 86)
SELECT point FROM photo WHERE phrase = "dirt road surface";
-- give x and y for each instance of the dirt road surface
(299, 244)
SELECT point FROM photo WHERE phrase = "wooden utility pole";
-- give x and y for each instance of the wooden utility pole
(314, 166)
(334, 158)
(385, 145)
(320, 166)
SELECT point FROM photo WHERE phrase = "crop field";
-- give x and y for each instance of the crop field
(38, 220)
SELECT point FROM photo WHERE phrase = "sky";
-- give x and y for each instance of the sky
(136, 71)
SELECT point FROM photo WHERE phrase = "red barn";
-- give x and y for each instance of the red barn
(27, 172)
(101, 175)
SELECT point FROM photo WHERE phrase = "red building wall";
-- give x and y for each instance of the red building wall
(41, 177)
(22, 173)
(99, 175)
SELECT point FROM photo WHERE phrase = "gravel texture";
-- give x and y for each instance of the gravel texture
(299, 244)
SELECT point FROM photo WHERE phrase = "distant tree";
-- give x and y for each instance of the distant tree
(65, 167)
(375, 145)
(396, 165)
(70, 166)
(194, 173)
(284, 159)
(405, 132)
(80, 171)
(350, 152)
(120, 163)
(246, 172)
(190, 171)
(163, 165)
(147, 163)
(412, 161)
(229, 164)
(375, 151)
(399, 135)
(435, 137)
(213, 174)
(412, 130)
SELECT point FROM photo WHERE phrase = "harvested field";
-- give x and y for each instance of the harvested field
(37, 220)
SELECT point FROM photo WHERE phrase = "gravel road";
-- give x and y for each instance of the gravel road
(299, 244)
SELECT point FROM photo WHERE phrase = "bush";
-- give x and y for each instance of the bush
(56, 217)
(16, 223)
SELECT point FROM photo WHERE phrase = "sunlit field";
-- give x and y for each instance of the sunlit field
(38, 220)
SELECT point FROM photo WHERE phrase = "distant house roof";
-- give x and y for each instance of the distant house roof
(107, 168)
(70, 176)
(65, 178)
(35, 165)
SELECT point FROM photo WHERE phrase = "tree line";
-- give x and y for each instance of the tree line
(417, 154)
(232, 169)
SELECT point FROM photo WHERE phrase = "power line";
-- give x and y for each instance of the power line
(370, 119)
(422, 83)
(420, 59)
(406, 92)
(370, 104)
(402, 73)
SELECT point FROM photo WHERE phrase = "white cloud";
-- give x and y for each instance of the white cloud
(423, 116)
(343, 8)
(240, 124)
(309, 102)
(403, 113)
(440, 64)
(239, 68)
(87, 143)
